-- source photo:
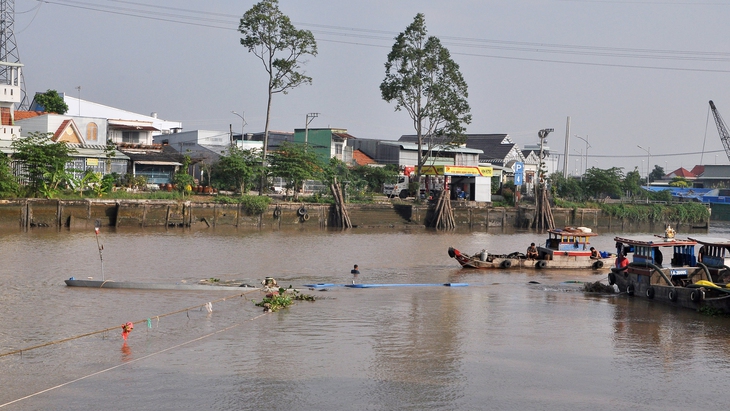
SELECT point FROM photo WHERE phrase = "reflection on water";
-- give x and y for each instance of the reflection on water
(500, 343)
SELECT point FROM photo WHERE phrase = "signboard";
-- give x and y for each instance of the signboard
(92, 161)
(519, 173)
(466, 171)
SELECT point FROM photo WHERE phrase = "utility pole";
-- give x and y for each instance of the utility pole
(566, 165)
(308, 119)
(587, 147)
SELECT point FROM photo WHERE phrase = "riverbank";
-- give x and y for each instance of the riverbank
(25, 214)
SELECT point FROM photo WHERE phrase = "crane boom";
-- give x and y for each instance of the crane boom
(721, 128)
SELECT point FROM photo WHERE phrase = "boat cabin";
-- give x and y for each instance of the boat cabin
(569, 241)
(648, 250)
(714, 252)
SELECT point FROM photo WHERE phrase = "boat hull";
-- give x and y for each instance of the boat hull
(560, 262)
(691, 296)
(149, 286)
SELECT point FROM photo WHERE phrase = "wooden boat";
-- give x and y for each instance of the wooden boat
(683, 281)
(566, 248)
(72, 282)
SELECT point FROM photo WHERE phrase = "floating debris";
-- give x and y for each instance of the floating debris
(598, 287)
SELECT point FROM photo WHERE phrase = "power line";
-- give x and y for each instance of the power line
(230, 22)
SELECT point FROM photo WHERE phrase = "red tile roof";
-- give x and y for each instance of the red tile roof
(698, 170)
(361, 158)
(682, 172)
(22, 115)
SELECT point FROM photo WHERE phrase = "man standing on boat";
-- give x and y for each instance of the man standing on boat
(621, 261)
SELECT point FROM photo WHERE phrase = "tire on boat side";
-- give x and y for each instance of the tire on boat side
(672, 295)
(541, 264)
(611, 278)
(650, 293)
(630, 289)
(696, 296)
(598, 265)
(506, 264)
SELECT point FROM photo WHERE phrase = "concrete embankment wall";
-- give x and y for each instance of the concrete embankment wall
(24, 214)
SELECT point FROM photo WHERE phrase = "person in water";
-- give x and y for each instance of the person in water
(355, 270)
(532, 252)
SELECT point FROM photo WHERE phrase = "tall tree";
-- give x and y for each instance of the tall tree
(52, 102)
(423, 80)
(600, 183)
(44, 163)
(657, 173)
(295, 163)
(270, 36)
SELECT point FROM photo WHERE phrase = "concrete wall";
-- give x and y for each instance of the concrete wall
(25, 214)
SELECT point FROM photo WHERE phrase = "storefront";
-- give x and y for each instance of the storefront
(472, 183)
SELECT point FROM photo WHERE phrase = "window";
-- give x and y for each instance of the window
(130, 137)
(92, 132)
(338, 149)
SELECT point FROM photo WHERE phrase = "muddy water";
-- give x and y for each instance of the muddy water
(502, 343)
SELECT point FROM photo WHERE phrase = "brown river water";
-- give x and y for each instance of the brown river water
(501, 343)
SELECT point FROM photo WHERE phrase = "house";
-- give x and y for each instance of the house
(85, 135)
(714, 176)
(276, 138)
(327, 142)
(204, 147)
(405, 154)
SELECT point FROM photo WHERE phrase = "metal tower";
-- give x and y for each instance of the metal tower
(9, 48)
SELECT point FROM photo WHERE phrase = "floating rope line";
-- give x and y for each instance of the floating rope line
(132, 361)
(20, 351)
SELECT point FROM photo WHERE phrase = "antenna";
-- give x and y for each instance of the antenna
(9, 49)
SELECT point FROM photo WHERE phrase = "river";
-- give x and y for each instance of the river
(511, 340)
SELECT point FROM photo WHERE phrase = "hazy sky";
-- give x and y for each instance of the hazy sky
(627, 72)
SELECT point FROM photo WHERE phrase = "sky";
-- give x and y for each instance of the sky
(634, 77)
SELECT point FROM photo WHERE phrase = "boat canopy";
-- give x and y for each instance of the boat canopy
(569, 239)
(647, 249)
(714, 250)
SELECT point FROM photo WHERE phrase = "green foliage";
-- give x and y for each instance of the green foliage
(600, 183)
(375, 177)
(632, 183)
(680, 182)
(44, 164)
(294, 163)
(182, 180)
(657, 173)
(52, 102)
(237, 169)
(276, 300)
(566, 188)
(682, 212)
(422, 79)
(8, 184)
(255, 205)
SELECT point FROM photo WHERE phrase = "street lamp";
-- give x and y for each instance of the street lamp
(243, 121)
(588, 145)
(309, 118)
(648, 161)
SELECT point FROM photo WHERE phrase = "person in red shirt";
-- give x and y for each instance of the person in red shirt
(622, 261)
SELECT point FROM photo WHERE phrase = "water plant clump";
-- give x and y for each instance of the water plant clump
(283, 298)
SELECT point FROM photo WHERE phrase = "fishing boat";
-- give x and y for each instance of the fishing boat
(682, 281)
(565, 248)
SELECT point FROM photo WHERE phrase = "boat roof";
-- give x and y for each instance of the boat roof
(654, 241)
(717, 241)
(571, 230)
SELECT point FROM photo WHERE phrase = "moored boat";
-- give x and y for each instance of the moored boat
(566, 248)
(683, 281)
